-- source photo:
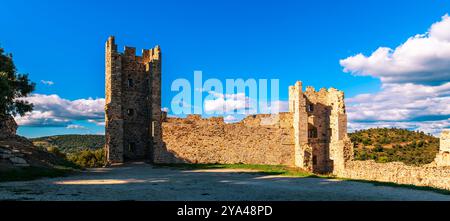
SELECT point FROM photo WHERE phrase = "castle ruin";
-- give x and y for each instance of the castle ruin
(133, 103)
(443, 157)
(312, 135)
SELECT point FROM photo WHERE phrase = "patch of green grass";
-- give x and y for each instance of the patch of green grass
(32, 173)
(262, 169)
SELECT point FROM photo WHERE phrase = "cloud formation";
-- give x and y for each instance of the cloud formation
(415, 77)
(52, 110)
(401, 102)
(225, 103)
(75, 126)
(231, 119)
(422, 59)
(49, 83)
(229, 103)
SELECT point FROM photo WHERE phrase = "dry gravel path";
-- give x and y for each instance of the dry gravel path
(143, 182)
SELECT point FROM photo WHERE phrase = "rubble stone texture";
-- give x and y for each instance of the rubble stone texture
(133, 103)
(8, 126)
(258, 139)
(396, 172)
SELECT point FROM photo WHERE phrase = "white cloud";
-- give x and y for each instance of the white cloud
(225, 103)
(230, 119)
(51, 110)
(98, 122)
(228, 103)
(415, 77)
(431, 127)
(422, 59)
(165, 109)
(275, 107)
(49, 83)
(75, 126)
(400, 102)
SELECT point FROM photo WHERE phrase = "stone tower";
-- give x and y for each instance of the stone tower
(443, 156)
(133, 103)
(320, 129)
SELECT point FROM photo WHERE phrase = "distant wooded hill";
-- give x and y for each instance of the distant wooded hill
(71, 143)
(379, 144)
(389, 145)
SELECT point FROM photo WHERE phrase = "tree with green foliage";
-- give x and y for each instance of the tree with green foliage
(12, 86)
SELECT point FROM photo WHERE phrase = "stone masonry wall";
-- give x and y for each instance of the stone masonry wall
(436, 174)
(258, 139)
(396, 172)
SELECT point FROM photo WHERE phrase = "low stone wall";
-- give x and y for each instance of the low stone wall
(396, 172)
(258, 139)
(12, 157)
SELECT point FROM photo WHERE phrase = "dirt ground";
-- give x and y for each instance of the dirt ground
(143, 182)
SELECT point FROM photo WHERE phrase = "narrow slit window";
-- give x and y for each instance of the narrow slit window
(130, 82)
(310, 108)
(131, 147)
(130, 112)
(312, 133)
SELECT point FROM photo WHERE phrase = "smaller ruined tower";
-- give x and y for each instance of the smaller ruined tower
(320, 129)
(132, 103)
(443, 157)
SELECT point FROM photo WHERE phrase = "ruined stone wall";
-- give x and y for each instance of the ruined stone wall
(436, 174)
(396, 172)
(320, 125)
(258, 139)
(133, 102)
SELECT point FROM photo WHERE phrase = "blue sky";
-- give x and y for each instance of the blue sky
(63, 42)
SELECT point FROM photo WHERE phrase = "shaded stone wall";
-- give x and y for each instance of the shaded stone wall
(113, 103)
(8, 126)
(258, 139)
(133, 102)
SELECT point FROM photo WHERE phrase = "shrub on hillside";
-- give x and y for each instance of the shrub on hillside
(394, 145)
(88, 158)
(55, 150)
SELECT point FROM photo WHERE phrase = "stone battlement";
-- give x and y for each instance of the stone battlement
(147, 55)
(256, 120)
